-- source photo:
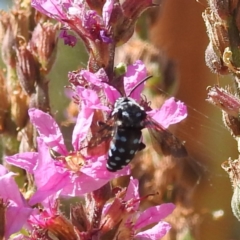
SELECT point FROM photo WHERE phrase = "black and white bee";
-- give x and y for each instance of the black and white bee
(129, 118)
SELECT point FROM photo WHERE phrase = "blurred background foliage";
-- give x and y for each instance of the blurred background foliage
(177, 28)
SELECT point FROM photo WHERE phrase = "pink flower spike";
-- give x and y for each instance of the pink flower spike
(48, 130)
(15, 203)
(155, 233)
(135, 73)
(171, 112)
(154, 214)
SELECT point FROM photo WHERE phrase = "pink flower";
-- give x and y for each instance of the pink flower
(78, 17)
(132, 220)
(15, 204)
(70, 174)
(171, 111)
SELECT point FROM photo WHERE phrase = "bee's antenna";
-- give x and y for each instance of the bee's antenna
(136, 86)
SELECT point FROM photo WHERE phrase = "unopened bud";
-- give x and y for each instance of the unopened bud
(40, 99)
(214, 62)
(232, 167)
(217, 33)
(102, 195)
(19, 107)
(224, 100)
(4, 103)
(232, 124)
(237, 14)
(235, 203)
(230, 106)
(120, 69)
(44, 44)
(8, 43)
(62, 228)
(95, 5)
(79, 218)
(27, 69)
(131, 10)
(221, 8)
(2, 218)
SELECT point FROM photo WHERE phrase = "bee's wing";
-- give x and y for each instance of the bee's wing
(99, 143)
(163, 141)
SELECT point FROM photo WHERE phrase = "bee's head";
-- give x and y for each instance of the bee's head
(128, 112)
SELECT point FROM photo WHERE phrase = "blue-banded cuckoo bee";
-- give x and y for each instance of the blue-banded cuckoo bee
(124, 128)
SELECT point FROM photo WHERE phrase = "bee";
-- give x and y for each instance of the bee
(124, 129)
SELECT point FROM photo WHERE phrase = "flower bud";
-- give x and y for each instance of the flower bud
(2, 218)
(4, 103)
(214, 62)
(221, 8)
(235, 203)
(131, 10)
(40, 99)
(8, 52)
(120, 69)
(79, 218)
(61, 228)
(233, 170)
(95, 5)
(232, 124)
(102, 195)
(44, 44)
(19, 107)
(224, 100)
(27, 69)
(217, 32)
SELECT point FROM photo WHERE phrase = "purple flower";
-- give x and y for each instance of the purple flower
(77, 17)
(72, 173)
(171, 111)
(15, 204)
(127, 212)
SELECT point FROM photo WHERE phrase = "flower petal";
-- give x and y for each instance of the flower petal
(97, 169)
(53, 179)
(16, 204)
(171, 112)
(26, 160)
(107, 11)
(135, 73)
(82, 126)
(111, 93)
(48, 130)
(133, 192)
(50, 8)
(90, 99)
(154, 214)
(13, 223)
(9, 189)
(155, 233)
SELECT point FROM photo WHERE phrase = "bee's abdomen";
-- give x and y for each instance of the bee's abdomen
(123, 147)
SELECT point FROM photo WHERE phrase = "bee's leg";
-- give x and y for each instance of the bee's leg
(101, 124)
(104, 126)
